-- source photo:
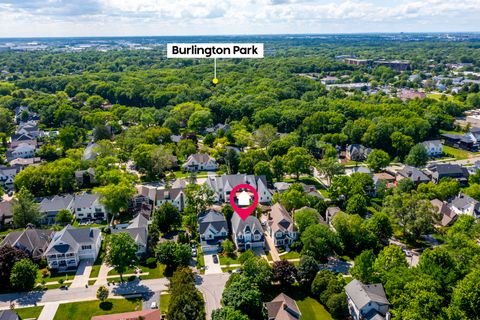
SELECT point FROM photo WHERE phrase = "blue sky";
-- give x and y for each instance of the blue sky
(26, 18)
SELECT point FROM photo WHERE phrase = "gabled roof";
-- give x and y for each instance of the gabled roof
(151, 314)
(56, 203)
(88, 153)
(280, 219)
(239, 225)
(199, 158)
(449, 169)
(448, 216)
(432, 143)
(138, 221)
(211, 218)
(6, 209)
(71, 238)
(282, 307)
(413, 174)
(84, 200)
(33, 241)
(8, 315)
(362, 294)
(463, 200)
(168, 194)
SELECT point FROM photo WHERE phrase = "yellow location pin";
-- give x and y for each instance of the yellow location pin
(215, 81)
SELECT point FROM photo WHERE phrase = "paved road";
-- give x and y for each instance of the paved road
(211, 286)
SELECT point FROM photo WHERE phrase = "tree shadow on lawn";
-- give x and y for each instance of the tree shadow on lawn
(296, 292)
(130, 288)
(106, 305)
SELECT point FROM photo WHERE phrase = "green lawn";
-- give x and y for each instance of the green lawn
(56, 276)
(200, 260)
(88, 309)
(438, 96)
(164, 301)
(30, 312)
(154, 273)
(228, 260)
(94, 225)
(311, 309)
(5, 232)
(307, 180)
(456, 153)
(290, 255)
(97, 264)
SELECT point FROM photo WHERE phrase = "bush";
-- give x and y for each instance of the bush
(151, 262)
(45, 272)
(42, 263)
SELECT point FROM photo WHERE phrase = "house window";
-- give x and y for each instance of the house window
(79, 209)
(87, 247)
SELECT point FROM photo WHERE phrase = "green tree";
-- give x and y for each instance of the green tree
(115, 197)
(95, 101)
(262, 168)
(330, 168)
(320, 242)
(8, 257)
(185, 148)
(70, 137)
(25, 209)
(199, 197)
(64, 216)
(228, 313)
(199, 120)
(363, 267)
(172, 254)
(402, 143)
(165, 218)
(307, 269)
(284, 272)
(7, 125)
(466, 297)
(297, 161)
(265, 134)
(102, 293)
(121, 253)
(377, 160)
(243, 296)
(185, 300)
(228, 247)
(306, 217)
(277, 165)
(417, 156)
(389, 258)
(24, 274)
(357, 204)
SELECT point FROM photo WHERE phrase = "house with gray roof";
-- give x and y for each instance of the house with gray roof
(367, 302)
(33, 241)
(138, 230)
(52, 205)
(70, 245)
(222, 185)
(213, 229)
(412, 173)
(280, 226)
(8, 174)
(90, 152)
(8, 315)
(248, 233)
(357, 152)
(447, 170)
(200, 162)
(88, 206)
(282, 307)
(6, 212)
(464, 204)
(434, 148)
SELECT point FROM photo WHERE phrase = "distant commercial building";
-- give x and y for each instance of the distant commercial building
(396, 65)
(358, 62)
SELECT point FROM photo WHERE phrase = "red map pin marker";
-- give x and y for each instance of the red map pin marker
(246, 211)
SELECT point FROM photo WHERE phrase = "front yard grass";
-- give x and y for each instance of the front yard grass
(312, 309)
(55, 277)
(30, 312)
(224, 260)
(290, 255)
(153, 273)
(456, 153)
(164, 301)
(88, 309)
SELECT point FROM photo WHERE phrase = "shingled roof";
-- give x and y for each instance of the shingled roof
(282, 307)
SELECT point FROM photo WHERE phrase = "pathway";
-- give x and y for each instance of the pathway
(48, 311)
(102, 275)
(83, 273)
(272, 249)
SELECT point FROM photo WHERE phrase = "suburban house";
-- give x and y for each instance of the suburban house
(200, 162)
(149, 314)
(357, 152)
(247, 234)
(218, 127)
(383, 178)
(367, 302)
(33, 241)
(281, 186)
(6, 212)
(71, 245)
(8, 315)
(23, 150)
(280, 226)
(222, 185)
(138, 229)
(158, 195)
(88, 206)
(460, 141)
(444, 170)
(90, 152)
(330, 213)
(434, 148)
(18, 139)
(8, 174)
(282, 307)
(464, 204)
(213, 229)
(85, 177)
(22, 163)
(52, 205)
(412, 173)
(448, 216)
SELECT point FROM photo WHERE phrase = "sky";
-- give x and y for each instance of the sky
(59, 18)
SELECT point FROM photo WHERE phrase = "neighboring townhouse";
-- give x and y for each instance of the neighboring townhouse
(213, 229)
(23, 163)
(434, 148)
(71, 245)
(448, 216)
(415, 175)
(33, 241)
(6, 213)
(88, 206)
(158, 195)
(248, 233)
(8, 174)
(281, 227)
(52, 205)
(330, 214)
(367, 302)
(222, 185)
(357, 152)
(464, 204)
(138, 230)
(200, 162)
(23, 150)
(445, 170)
(17, 139)
(149, 314)
(282, 307)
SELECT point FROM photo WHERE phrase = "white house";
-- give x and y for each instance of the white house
(213, 228)
(280, 226)
(23, 150)
(52, 205)
(71, 245)
(367, 302)
(434, 147)
(200, 162)
(464, 204)
(138, 230)
(7, 174)
(222, 185)
(88, 206)
(248, 233)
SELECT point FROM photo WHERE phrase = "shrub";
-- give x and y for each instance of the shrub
(151, 262)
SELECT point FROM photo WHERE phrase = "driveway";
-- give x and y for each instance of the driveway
(211, 286)
(48, 311)
(102, 275)
(210, 267)
(271, 247)
(83, 274)
(149, 299)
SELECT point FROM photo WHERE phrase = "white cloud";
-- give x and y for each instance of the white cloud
(162, 17)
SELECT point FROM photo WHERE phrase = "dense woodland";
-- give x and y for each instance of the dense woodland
(132, 102)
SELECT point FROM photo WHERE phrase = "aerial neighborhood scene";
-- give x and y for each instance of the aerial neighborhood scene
(265, 160)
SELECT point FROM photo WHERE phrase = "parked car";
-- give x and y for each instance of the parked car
(215, 258)
(194, 252)
(154, 305)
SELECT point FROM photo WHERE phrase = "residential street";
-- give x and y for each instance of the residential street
(211, 286)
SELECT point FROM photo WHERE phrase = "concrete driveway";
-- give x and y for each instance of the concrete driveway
(271, 247)
(83, 274)
(211, 286)
(150, 298)
(210, 267)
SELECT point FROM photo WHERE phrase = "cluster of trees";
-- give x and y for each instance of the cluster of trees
(186, 302)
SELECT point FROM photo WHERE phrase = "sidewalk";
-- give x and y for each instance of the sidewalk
(48, 311)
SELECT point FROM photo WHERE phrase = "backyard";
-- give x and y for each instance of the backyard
(88, 309)
(312, 309)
